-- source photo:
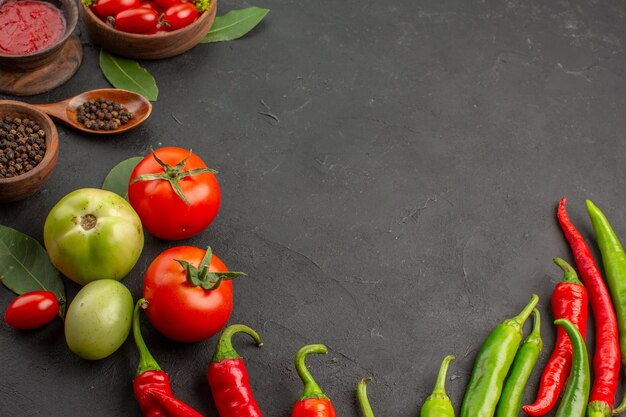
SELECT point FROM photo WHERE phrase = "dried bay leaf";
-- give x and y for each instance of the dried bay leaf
(234, 24)
(117, 179)
(128, 74)
(25, 266)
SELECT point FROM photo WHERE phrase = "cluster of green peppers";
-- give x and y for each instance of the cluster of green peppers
(490, 392)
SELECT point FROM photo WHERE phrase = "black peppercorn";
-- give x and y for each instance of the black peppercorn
(102, 114)
(20, 148)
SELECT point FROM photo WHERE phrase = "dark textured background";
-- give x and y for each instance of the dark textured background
(403, 205)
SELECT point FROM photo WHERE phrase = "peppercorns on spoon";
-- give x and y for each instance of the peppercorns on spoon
(103, 112)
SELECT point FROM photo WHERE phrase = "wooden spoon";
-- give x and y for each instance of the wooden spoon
(65, 111)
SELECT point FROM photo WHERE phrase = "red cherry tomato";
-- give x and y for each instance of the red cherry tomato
(151, 5)
(106, 8)
(166, 4)
(179, 310)
(163, 212)
(180, 15)
(32, 310)
(137, 20)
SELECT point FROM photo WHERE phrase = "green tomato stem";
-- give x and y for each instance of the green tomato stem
(201, 277)
(174, 174)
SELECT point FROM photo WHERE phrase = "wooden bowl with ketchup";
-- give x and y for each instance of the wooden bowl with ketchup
(156, 46)
(41, 57)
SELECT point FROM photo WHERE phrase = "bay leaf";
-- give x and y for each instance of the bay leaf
(128, 74)
(25, 266)
(234, 24)
(117, 179)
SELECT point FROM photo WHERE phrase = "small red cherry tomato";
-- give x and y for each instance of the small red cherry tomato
(151, 5)
(182, 310)
(32, 310)
(166, 4)
(137, 20)
(106, 8)
(179, 16)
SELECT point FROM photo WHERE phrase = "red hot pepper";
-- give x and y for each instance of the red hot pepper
(569, 301)
(606, 359)
(228, 377)
(152, 385)
(312, 402)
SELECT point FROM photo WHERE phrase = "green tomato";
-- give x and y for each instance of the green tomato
(99, 318)
(93, 234)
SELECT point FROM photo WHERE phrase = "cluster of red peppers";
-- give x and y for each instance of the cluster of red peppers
(228, 379)
(606, 359)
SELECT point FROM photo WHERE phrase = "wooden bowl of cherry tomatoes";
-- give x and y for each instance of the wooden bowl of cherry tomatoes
(147, 29)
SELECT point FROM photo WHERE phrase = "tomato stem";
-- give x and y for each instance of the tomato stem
(174, 175)
(201, 277)
(163, 21)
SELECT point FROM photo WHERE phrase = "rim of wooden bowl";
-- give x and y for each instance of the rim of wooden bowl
(51, 140)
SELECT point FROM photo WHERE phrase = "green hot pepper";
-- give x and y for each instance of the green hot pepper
(614, 261)
(574, 401)
(511, 399)
(361, 394)
(438, 404)
(494, 359)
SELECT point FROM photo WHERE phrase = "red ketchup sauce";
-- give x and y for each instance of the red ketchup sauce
(28, 26)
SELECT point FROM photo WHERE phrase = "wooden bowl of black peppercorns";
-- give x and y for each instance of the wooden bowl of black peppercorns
(29, 148)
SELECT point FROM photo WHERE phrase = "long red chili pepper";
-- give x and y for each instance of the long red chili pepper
(569, 301)
(228, 377)
(312, 402)
(152, 385)
(606, 359)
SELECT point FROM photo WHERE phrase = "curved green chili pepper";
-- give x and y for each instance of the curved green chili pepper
(614, 261)
(361, 394)
(438, 403)
(574, 401)
(511, 399)
(494, 359)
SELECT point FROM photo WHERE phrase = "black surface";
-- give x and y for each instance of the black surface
(401, 207)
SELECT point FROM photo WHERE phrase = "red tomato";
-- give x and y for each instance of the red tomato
(180, 15)
(106, 8)
(32, 310)
(166, 4)
(162, 212)
(137, 20)
(179, 310)
(151, 5)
